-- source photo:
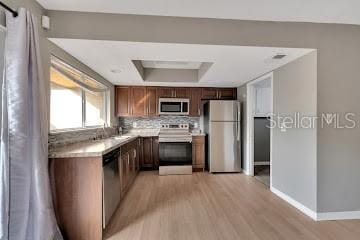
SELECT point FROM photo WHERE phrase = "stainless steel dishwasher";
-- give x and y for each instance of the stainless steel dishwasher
(111, 185)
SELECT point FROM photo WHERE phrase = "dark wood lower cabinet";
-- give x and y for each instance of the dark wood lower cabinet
(155, 151)
(77, 193)
(138, 154)
(150, 153)
(198, 152)
(147, 159)
(77, 186)
(129, 165)
(124, 171)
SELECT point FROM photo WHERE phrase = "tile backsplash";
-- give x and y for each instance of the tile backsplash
(128, 123)
(58, 139)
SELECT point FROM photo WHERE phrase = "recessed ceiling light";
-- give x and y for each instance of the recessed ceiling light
(115, 70)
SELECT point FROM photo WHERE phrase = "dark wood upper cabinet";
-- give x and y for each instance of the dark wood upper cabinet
(195, 102)
(164, 92)
(227, 93)
(182, 92)
(219, 94)
(167, 92)
(209, 94)
(143, 101)
(122, 101)
(152, 101)
(138, 101)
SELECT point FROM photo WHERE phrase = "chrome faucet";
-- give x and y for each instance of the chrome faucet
(100, 133)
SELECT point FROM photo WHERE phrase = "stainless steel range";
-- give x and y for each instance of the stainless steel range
(175, 149)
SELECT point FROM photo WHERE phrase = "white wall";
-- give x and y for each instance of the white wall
(294, 152)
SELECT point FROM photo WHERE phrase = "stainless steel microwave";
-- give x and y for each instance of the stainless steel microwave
(174, 106)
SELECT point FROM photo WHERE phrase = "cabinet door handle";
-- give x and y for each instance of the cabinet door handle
(199, 111)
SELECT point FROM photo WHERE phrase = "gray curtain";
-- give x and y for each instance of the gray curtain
(4, 162)
(26, 205)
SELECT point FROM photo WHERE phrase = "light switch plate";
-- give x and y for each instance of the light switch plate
(45, 22)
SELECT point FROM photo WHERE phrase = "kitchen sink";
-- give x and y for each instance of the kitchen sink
(121, 137)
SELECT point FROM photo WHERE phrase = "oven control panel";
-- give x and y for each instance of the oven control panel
(175, 133)
(183, 126)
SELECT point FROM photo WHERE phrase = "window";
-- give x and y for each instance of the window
(76, 100)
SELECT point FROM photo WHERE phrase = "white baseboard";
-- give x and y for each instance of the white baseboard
(338, 216)
(307, 211)
(327, 216)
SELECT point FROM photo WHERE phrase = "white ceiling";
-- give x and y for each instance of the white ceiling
(232, 65)
(323, 11)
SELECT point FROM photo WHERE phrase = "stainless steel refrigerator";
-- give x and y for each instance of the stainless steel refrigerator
(222, 124)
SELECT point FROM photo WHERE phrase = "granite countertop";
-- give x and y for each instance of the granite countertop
(95, 148)
(98, 148)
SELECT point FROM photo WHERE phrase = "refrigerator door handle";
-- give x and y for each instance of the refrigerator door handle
(238, 118)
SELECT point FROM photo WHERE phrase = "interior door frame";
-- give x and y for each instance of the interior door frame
(250, 113)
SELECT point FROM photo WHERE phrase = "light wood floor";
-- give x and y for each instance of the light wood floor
(207, 206)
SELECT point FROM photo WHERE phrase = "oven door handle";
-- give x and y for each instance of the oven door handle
(174, 141)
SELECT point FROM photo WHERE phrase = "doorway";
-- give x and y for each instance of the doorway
(259, 111)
